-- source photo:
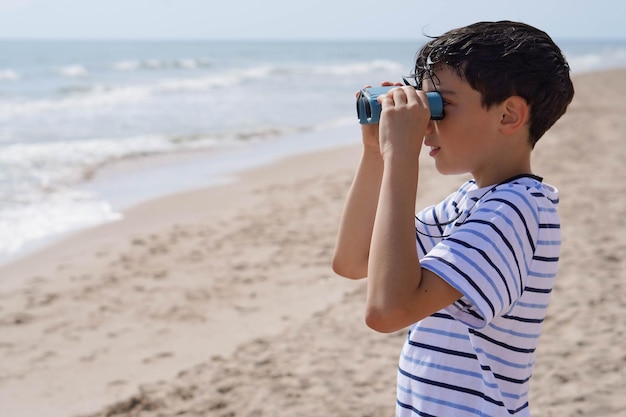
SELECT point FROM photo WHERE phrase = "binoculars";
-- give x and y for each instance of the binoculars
(368, 108)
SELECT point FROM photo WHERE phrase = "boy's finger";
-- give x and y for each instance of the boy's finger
(359, 92)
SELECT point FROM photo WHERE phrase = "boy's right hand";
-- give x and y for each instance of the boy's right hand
(370, 132)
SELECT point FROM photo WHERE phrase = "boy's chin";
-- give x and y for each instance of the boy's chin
(446, 170)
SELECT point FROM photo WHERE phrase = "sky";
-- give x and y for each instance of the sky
(298, 19)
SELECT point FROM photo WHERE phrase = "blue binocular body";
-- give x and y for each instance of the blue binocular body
(368, 108)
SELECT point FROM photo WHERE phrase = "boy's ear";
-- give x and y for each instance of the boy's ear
(515, 113)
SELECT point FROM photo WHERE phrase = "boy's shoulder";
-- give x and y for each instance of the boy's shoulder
(524, 196)
(527, 186)
(520, 202)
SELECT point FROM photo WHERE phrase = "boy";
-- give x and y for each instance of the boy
(473, 274)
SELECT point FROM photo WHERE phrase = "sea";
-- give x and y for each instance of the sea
(69, 110)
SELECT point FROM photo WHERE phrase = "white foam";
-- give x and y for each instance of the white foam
(73, 71)
(96, 97)
(155, 64)
(55, 213)
(188, 63)
(9, 75)
(67, 161)
(601, 59)
(219, 80)
(45, 200)
(359, 68)
(100, 96)
(129, 65)
(41, 201)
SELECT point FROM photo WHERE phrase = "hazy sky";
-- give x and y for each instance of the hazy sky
(298, 19)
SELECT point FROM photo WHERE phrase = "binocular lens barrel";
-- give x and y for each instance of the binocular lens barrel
(368, 108)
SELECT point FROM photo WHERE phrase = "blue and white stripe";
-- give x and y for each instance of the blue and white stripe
(475, 358)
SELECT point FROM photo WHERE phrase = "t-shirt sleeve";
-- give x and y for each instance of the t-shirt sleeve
(487, 257)
(432, 223)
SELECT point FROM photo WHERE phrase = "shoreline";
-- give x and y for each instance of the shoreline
(123, 183)
(126, 183)
(198, 300)
(102, 273)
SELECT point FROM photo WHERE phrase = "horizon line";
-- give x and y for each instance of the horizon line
(269, 39)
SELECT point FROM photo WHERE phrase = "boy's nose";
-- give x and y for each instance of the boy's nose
(430, 128)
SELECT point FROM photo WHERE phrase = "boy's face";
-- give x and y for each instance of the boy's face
(464, 141)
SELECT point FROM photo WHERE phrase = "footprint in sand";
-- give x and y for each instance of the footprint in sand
(158, 356)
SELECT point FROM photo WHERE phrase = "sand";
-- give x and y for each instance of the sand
(221, 301)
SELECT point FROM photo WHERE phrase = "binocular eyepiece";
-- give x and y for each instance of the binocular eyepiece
(368, 108)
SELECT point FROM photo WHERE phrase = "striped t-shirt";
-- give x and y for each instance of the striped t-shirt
(499, 247)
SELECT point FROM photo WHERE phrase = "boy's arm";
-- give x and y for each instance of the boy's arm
(399, 291)
(355, 229)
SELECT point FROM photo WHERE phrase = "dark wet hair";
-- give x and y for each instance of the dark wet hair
(504, 59)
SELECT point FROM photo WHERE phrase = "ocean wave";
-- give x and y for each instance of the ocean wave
(41, 198)
(358, 68)
(219, 80)
(38, 200)
(55, 164)
(73, 71)
(155, 64)
(49, 166)
(82, 97)
(53, 214)
(603, 58)
(9, 75)
(76, 98)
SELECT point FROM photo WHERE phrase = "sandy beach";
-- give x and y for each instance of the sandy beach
(221, 301)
